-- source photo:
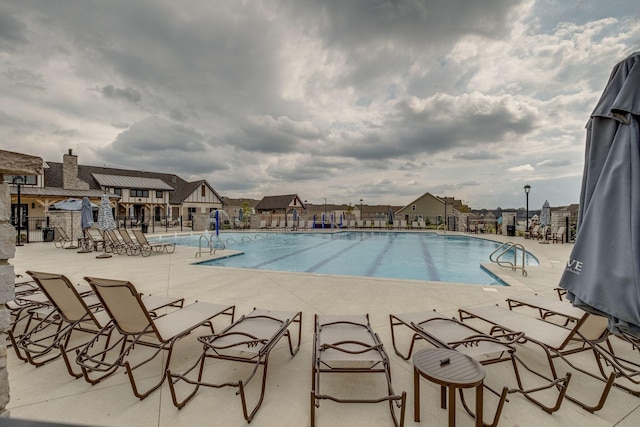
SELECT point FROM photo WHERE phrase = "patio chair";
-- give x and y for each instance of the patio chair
(62, 240)
(532, 232)
(93, 240)
(31, 304)
(71, 311)
(138, 328)
(153, 247)
(547, 307)
(250, 340)
(542, 233)
(114, 244)
(558, 236)
(132, 248)
(348, 345)
(589, 333)
(444, 332)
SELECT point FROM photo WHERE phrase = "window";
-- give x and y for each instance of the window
(29, 179)
(413, 207)
(138, 193)
(159, 194)
(117, 191)
(190, 212)
(203, 190)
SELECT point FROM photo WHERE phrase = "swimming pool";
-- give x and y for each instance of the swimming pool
(416, 256)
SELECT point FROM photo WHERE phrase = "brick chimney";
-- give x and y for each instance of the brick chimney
(70, 179)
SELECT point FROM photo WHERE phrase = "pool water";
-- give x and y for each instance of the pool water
(417, 256)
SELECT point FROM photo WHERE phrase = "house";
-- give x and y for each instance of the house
(282, 209)
(233, 207)
(135, 194)
(430, 209)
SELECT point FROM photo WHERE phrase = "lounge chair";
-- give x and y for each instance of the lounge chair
(403, 223)
(558, 236)
(542, 233)
(532, 232)
(348, 344)
(71, 314)
(132, 247)
(547, 307)
(263, 224)
(145, 246)
(248, 340)
(138, 328)
(61, 239)
(589, 333)
(444, 332)
(93, 240)
(114, 244)
(352, 223)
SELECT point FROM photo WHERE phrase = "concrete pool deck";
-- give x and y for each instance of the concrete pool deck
(48, 393)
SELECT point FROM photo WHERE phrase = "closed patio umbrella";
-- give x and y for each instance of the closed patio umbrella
(545, 214)
(86, 221)
(105, 221)
(603, 272)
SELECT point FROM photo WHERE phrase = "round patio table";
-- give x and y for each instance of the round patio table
(449, 369)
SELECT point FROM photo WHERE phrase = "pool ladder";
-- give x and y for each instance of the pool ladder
(210, 240)
(503, 249)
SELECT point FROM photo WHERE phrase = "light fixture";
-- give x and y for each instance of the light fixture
(527, 188)
(18, 180)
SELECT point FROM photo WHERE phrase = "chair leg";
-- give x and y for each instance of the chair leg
(174, 378)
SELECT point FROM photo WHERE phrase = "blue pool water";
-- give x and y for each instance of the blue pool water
(417, 256)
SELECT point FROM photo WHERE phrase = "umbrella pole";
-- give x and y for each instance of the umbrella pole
(104, 253)
(85, 245)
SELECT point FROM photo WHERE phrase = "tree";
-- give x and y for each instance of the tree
(246, 212)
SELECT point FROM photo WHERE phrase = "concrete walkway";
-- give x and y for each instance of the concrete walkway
(49, 393)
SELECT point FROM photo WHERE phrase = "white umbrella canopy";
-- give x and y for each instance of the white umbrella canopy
(72, 205)
(105, 222)
(603, 272)
(545, 214)
(105, 216)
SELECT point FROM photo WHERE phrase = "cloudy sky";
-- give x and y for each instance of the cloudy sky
(345, 100)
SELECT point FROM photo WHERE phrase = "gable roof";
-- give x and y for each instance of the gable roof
(181, 188)
(270, 203)
(131, 182)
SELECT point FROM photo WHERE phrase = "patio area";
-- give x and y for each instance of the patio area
(49, 394)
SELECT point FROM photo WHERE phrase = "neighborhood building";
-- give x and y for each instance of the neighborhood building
(136, 196)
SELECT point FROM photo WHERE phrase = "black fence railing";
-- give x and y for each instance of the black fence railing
(32, 229)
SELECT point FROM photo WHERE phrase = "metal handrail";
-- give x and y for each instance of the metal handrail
(209, 238)
(512, 265)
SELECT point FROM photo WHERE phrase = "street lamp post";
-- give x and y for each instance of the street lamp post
(18, 181)
(527, 188)
(361, 215)
(444, 228)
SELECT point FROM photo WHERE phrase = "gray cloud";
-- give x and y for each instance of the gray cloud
(344, 99)
(127, 94)
(13, 32)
